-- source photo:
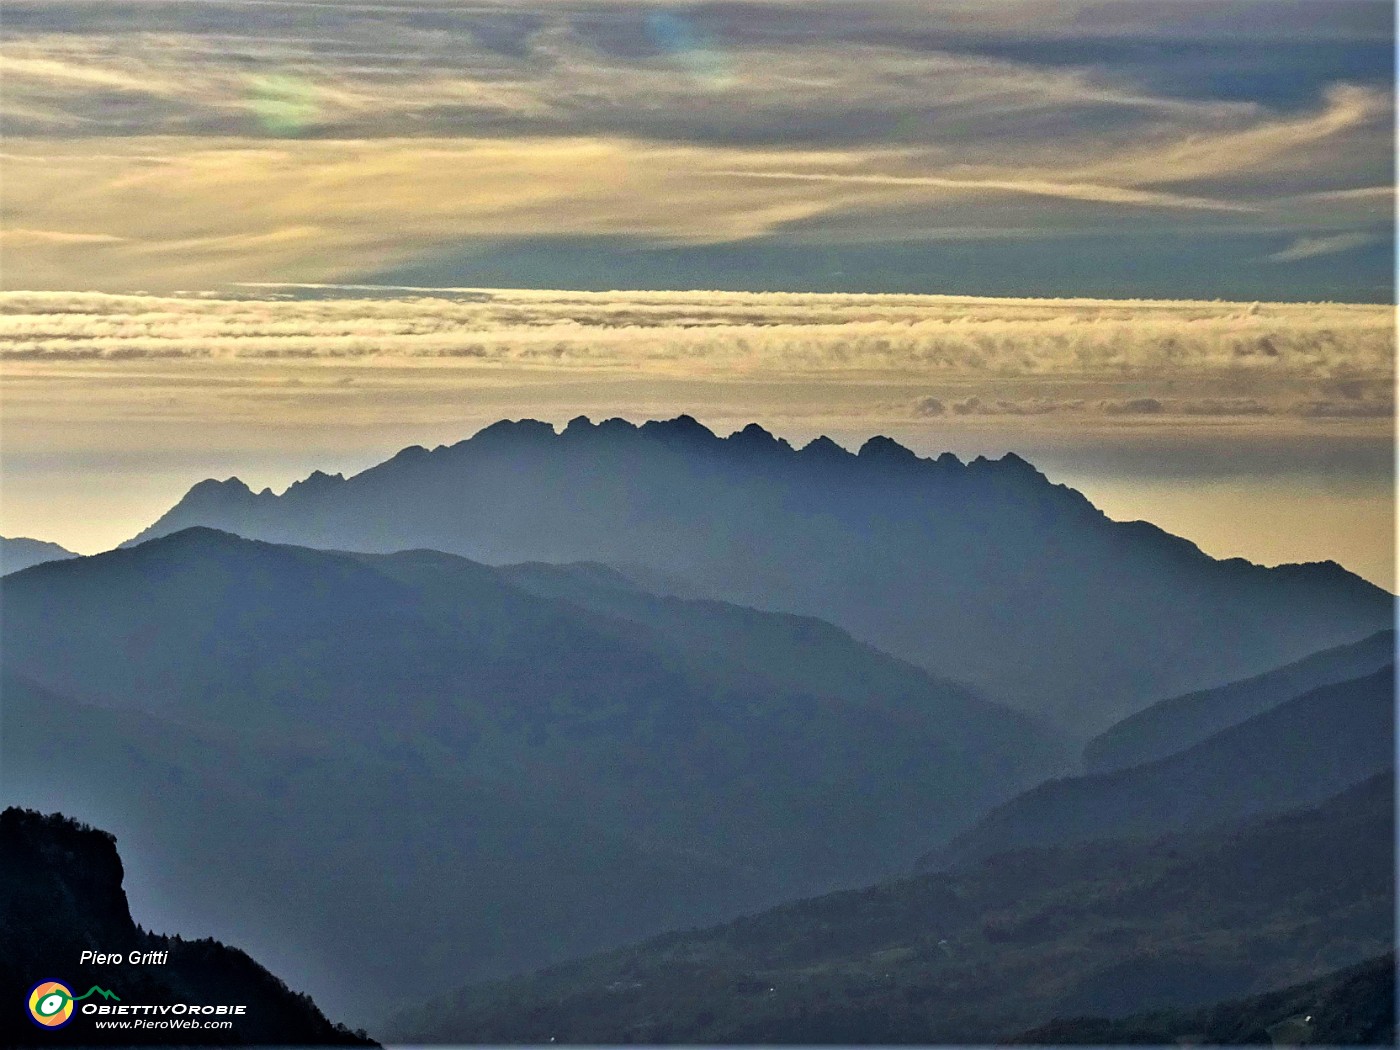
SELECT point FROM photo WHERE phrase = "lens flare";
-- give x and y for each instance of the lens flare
(284, 105)
(690, 48)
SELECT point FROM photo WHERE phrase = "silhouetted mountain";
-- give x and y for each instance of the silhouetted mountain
(1174, 725)
(1296, 754)
(1352, 1007)
(365, 873)
(19, 552)
(445, 769)
(974, 956)
(61, 893)
(983, 571)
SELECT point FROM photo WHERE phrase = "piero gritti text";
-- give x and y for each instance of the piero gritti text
(132, 958)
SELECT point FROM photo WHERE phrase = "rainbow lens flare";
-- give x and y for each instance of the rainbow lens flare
(284, 105)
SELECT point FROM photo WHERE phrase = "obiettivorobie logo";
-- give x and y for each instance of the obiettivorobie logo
(51, 1003)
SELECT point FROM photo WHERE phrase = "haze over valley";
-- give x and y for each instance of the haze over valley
(774, 522)
(615, 679)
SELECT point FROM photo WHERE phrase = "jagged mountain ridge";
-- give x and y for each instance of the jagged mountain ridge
(61, 893)
(984, 571)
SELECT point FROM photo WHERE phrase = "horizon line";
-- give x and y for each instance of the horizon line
(950, 296)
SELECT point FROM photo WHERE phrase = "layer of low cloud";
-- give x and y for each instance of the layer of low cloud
(115, 404)
(920, 333)
(968, 358)
(1375, 403)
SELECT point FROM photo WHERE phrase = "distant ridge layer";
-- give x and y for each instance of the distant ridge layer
(1174, 725)
(985, 571)
(1292, 755)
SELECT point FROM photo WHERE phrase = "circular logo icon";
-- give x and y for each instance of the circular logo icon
(51, 1004)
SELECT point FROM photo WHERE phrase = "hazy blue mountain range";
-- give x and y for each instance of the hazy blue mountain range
(1176, 724)
(20, 552)
(388, 771)
(61, 893)
(1353, 1007)
(976, 956)
(1296, 754)
(984, 571)
(364, 874)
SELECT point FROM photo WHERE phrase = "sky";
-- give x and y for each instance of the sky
(1234, 149)
(227, 225)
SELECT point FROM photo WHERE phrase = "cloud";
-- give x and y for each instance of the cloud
(1116, 362)
(198, 212)
(1037, 406)
(1255, 149)
(209, 143)
(1137, 406)
(1217, 407)
(284, 378)
(560, 72)
(187, 146)
(941, 335)
(225, 210)
(1312, 247)
(1370, 408)
(1083, 191)
(1223, 406)
(47, 238)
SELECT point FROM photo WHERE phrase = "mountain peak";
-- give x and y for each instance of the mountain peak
(315, 482)
(210, 487)
(197, 538)
(824, 448)
(616, 425)
(511, 431)
(683, 430)
(883, 448)
(754, 438)
(1011, 459)
(21, 552)
(578, 425)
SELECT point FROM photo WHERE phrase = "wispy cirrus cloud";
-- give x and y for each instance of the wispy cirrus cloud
(1082, 191)
(213, 142)
(43, 238)
(1312, 247)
